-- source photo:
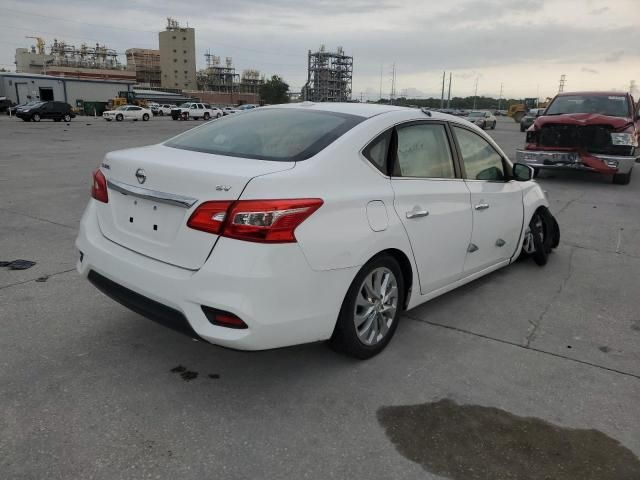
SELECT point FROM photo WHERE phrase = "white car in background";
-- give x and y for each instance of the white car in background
(307, 222)
(165, 109)
(483, 119)
(127, 112)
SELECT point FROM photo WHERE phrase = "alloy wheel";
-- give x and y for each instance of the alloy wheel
(376, 305)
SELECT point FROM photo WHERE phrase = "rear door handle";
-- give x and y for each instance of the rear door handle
(417, 213)
(482, 206)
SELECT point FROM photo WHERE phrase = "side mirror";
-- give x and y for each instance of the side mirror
(522, 172)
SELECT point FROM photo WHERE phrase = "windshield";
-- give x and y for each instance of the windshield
(476, 114)
(285, 135)
(185, 105)
(612, 105)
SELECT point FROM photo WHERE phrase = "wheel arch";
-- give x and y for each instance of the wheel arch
(406, 267)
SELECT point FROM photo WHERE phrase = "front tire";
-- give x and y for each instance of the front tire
(66, 117)
(145, 117)
(161, 113)
(493, 127)
(371, 309)
(622, 178)
(522, 129)
(36, 117)
(119, 117)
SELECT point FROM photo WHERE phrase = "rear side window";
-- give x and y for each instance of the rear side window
(286, 135)
(378, 150)
(423, 152)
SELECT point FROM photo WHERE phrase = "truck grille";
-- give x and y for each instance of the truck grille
(592, 138)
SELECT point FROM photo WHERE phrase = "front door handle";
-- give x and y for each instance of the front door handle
(417, 213)
(482, 206)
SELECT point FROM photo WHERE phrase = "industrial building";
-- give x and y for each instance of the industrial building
(329, 76)
(65, 60)
(25, 87)
(220, 78)
(178, 56)
(145, 62)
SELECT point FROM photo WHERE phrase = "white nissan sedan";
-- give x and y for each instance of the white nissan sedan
(298, 223)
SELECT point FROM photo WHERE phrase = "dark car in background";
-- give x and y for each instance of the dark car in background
(37, 111)
(530, 117)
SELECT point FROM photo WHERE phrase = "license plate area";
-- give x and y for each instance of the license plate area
(155, 222)
(559, 158)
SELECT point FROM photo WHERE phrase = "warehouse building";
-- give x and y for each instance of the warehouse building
(25, 87)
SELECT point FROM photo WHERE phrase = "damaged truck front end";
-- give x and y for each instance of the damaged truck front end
(596, 132)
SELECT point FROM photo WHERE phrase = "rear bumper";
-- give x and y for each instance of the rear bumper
(545, 159)
(271, 288)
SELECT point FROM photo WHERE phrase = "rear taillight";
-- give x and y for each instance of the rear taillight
(209, 217)
(264, 221)
(99, 187)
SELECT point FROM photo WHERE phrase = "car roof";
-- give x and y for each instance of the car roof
(361, 109)
(594, 94)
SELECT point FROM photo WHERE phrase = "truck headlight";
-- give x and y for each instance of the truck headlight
(627, 139)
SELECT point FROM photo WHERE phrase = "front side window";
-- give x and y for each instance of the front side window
(279, 134)
(481, 161)
(423, 151)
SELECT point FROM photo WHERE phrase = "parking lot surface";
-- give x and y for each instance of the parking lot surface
(91, 390)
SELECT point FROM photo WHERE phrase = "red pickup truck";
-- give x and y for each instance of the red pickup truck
(592, 131)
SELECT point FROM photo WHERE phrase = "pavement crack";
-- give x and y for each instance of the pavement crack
(599, 250)
(524, 347)
(534, 326)
(49, 275)
(38, 218)
(571, 202)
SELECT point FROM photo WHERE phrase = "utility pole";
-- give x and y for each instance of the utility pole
(449, 94)
(475, 95)
(393, 84)
(442, 96)
(500, 97)
(381, 65)
(563, 82)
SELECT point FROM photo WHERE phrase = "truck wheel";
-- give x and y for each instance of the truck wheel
(622, 178)
(371, 309)
(206, 116)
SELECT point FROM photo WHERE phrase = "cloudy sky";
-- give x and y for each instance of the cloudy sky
(525, 45)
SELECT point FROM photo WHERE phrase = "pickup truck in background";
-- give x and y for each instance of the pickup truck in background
(196, 111)
(591, 131)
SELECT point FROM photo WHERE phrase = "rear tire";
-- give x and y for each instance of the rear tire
(622, 178)
(161, 113)
(206, 116)
(522, 129)
(145, 117)
(66, 117)
(377, 292)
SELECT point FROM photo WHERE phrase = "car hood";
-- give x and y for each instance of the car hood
(582, 119)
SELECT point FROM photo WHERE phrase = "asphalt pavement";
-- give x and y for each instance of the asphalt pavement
(90, 390)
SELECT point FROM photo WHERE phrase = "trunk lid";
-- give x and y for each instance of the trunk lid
(154, 190)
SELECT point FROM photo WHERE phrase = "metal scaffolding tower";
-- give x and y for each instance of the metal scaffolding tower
(329, 76)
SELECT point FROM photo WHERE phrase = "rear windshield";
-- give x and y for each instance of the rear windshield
(285, 135)
(611, 105)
